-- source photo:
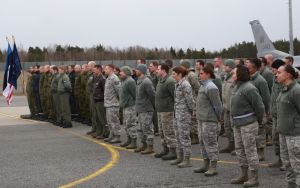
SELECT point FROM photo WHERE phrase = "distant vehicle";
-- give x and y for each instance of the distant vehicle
(265, 46)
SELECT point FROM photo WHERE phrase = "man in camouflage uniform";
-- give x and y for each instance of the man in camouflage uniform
(111, 103)
(78, 92)
(127, 102)
(50, 103)
(64, 89)
(144, 105)
(89, 95)
(227, 88)
(42, 91)
(164, 104)
(154, 78)
(30, 95)
(85, 96)
(261, 84)
(55, 96)
(194, 82)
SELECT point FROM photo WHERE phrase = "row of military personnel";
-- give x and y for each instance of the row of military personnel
(250, 98)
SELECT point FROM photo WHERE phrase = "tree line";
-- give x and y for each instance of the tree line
(101, 52)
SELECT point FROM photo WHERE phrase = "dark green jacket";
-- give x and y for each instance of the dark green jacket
(145, 95)
(268, 76)
(164, 97)
(246, 101)
(127, 92)
(276, 89)
(54, 82)
(288, 110)
(64, 84)
(261, 84)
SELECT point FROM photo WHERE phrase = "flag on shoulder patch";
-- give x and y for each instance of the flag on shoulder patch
(12, 72)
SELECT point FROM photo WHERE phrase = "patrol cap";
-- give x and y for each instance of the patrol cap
(186, 63)
(142, 68)
(127, 70)
(230, 63)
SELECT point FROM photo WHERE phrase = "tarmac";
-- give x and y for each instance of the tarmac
(39, 154)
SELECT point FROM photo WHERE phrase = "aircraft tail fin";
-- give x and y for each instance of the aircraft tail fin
(262, 41)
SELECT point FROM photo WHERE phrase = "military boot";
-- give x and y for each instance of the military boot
(178, 160)
(243, 177)
(148, 150)
(185, 163)
(253, 179)
(164, 152)
(276, 164)
(212, 170)
(115, 140)
(229, 148)
(127, 143)
(90, 132)
(142, 148)
(171, 155)
(204, 168)
(261, 154)
(109, 138)
(132, 145)
(194, 139)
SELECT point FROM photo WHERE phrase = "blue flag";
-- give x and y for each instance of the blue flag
(16, 67)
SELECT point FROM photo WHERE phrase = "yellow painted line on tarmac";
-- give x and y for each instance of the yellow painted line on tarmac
(113, 161)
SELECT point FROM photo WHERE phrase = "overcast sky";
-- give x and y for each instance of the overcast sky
(212, 24)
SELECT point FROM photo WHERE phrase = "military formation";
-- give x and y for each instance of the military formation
(252, 102)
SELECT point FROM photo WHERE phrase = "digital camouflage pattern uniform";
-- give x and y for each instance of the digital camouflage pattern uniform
(183, 106)
(55, 97)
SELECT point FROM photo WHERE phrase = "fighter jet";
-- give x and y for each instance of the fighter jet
(265, 46)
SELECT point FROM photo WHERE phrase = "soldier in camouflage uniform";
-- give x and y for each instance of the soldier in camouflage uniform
(164, 104)
(85, 97)
(78, 92)
(55, 96)
(154, 78)
(288, 123)
(42, 91)
(209, 113)
(183, 109)
(46, 89)
(194, 82)
(111, 103)
(64, 89)
(247, 112)
(51, 106)
(276, 89)
(29, 93)
(127, 102)
(89, 95)
(144, 106)
(261, 84)
(227, 87)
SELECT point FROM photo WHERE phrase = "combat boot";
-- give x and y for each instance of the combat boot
(253, 179)
(229, 148)
(276, 164)
(243, 177)
(164, 152)
(261, 154)
(171, 155)
(90, 132)
(185, 163)
(204, 168)
(127, 143)
(142, 148)
(212, 170)
(194, 139)
(99, 137)
(110, 137)
(132, 145)
(115, 140)
(178, 160)
(148, 150)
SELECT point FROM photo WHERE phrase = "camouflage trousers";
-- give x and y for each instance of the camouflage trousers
(182, 126)
(208, 140)
(166, 129)
(113, 121)
(245, 145)
(275, 137)
(261, 136)
(194, 125)
(130, 121)
(227, 126)
(269, 125)
(145, 129)
(290, 156)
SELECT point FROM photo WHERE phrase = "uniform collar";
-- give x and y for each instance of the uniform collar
(288, 87)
